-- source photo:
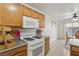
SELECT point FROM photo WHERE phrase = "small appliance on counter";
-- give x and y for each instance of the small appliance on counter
(2, 45)
(28, 39)
(38, 34)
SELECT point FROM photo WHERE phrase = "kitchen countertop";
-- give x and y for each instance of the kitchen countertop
(18, 44)
(74, 42)
(21, 43)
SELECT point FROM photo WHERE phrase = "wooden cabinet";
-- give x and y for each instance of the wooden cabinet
(41, 21)
(46, 45)
(74, 50)
(1, 14)
(18, 51)
(0, 28)
(27, 11)
(12, 15)
(77, 35)
(34, 14)
(39, 17)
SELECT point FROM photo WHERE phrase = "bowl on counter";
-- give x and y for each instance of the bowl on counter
(2, 45)
(10, 43)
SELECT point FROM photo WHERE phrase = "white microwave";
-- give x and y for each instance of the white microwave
(29, 22)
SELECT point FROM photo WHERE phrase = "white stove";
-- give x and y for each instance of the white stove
(35, 45)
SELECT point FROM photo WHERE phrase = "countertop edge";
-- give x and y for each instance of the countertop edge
(12, 48)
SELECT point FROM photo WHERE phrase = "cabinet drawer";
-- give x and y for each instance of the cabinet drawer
(23, 53)
(73, 48)
(73, 53)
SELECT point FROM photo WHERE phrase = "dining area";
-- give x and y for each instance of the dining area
(72, 38)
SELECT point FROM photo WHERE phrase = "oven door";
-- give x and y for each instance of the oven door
(36, 49)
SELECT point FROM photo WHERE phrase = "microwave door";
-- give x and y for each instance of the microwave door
(30, 22)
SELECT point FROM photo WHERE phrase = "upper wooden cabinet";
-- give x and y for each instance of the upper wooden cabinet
(26, 11)
(34, 14)
(1, 14)
(12, 14)
(41, 21)
(0, 28)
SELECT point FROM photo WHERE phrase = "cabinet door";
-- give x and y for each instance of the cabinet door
(12, 15)
(34, 14)
(16, 51)
(41, 21)
(1, 12)
(0, 28)
(46, 45)
(26, 11)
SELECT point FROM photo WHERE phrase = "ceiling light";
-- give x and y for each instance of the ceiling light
(75, 17)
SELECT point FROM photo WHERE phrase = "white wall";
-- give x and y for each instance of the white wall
(50, 30)
(60, 29)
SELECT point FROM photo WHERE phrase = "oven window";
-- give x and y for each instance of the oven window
(37, 51)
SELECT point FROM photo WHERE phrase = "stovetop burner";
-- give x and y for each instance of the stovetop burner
(28, 39)
(36, 37)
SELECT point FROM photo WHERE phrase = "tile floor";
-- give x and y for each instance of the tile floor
(59, 48)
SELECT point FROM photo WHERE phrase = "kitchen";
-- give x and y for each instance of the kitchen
(20, 33)
(29, 30)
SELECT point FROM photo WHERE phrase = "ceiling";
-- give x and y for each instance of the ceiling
(57, 11)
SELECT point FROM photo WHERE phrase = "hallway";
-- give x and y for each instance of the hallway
(58, 48)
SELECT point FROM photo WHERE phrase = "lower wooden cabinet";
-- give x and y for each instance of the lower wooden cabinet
(19, 51)
(46, 45)
(74, 50)
(77, 35)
